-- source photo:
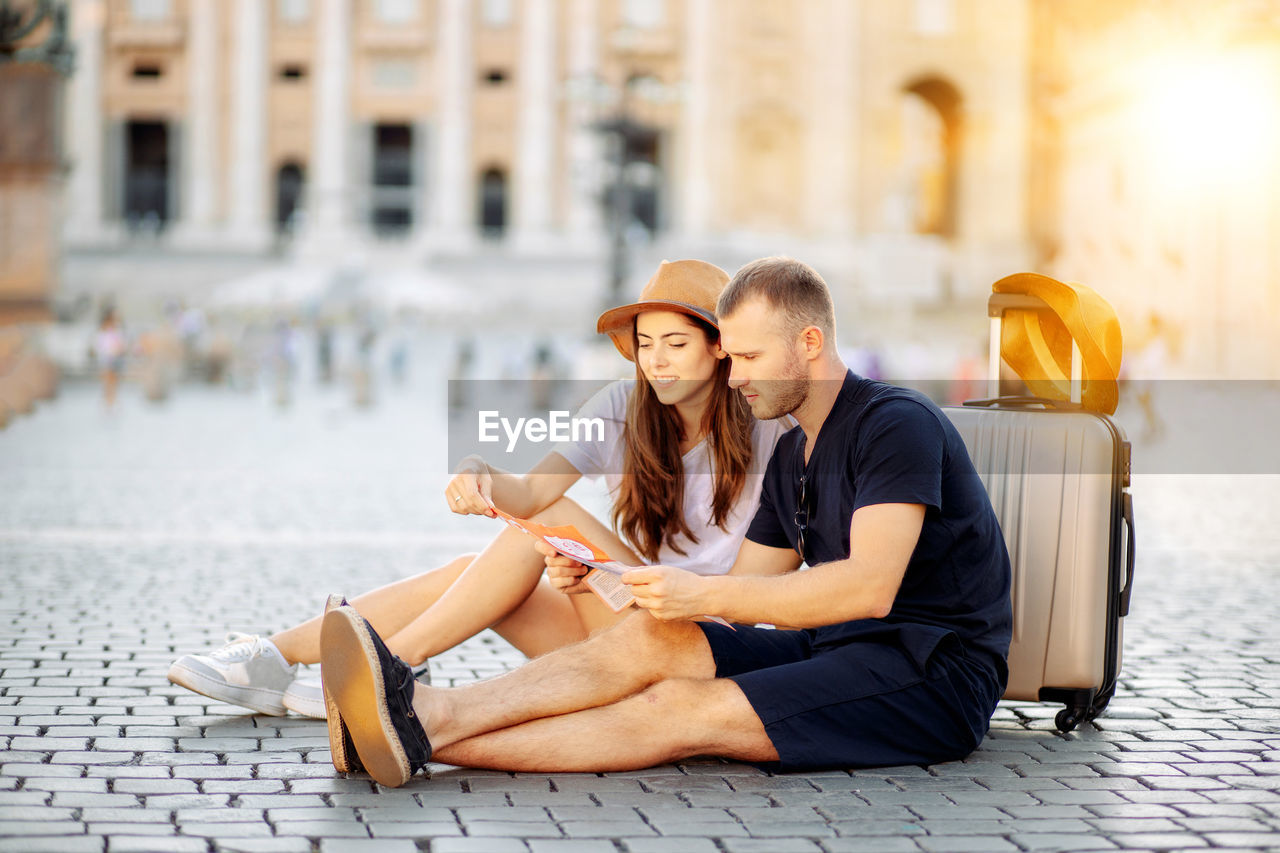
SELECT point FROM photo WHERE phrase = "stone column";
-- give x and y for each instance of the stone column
(831, 144)
(198, 199)
(247, 209)
(328, 190)
(535, 162)
(86, 130)
(452, 179)
(695, 203)
(586, 153)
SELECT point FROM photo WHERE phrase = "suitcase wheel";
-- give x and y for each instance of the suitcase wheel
(1069, 718)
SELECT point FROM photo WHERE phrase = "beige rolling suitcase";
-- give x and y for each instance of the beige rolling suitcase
(1058, 477)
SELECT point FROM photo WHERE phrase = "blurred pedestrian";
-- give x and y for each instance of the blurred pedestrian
(324, 352)
(109, 350)
(282, 361)
(362, 372)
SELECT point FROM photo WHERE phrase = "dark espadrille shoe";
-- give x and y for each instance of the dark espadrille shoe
(372, 693)
(341, 747)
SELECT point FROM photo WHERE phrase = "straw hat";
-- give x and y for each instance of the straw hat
(687, 287)
(1037, 344)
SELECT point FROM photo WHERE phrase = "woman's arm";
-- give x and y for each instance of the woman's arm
(476, 484)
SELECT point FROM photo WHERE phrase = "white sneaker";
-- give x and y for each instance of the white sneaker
(249, 671)
(306, 697)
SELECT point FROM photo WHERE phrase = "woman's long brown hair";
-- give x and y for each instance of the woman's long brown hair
(649, 508)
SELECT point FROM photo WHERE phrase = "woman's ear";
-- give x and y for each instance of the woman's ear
(720, 353)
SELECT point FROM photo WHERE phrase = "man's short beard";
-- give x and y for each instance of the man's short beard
(792, 390)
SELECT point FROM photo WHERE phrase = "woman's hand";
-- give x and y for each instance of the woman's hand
(564, 573)
(470, 492)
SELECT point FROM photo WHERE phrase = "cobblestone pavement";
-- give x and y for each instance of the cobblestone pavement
(128, 539)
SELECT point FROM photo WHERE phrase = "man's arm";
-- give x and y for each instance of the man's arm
(756, 560)
(882, 538)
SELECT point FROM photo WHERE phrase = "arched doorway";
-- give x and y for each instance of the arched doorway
(290, 178)
(931, 129)
(493, 203)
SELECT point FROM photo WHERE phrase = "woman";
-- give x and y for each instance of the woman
(683, 460)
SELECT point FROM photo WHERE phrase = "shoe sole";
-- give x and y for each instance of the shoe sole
(352, 676)
(341, 748)
(198, 682)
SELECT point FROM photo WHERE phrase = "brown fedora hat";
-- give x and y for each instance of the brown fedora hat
(687, 287)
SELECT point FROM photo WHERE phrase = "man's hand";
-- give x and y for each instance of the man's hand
(565, 574)
(668, 593)
(470, 492)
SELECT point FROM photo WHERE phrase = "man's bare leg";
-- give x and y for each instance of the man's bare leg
(668, 721)
(604, 669)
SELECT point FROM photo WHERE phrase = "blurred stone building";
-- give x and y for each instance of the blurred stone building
(914, 151)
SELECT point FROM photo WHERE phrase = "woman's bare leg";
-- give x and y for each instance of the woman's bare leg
(494, 587)
(388, 608)
(549, 619)
(500, 588)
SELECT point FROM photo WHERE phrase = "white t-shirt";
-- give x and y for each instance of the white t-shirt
(716, 548)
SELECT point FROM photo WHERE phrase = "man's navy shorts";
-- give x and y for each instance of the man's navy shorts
(861, 704)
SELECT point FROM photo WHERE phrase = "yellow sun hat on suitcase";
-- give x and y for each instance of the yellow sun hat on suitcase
(1037, 343)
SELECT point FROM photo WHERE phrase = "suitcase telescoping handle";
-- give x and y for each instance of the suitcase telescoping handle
(1002, 302)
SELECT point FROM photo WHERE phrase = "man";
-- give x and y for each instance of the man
(900, 627)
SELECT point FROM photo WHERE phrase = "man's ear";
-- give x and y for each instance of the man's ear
(812, 342)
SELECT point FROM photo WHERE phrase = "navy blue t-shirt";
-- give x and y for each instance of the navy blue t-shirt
(885, 444)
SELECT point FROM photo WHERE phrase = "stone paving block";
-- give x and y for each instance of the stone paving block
(1257, 840)
(8, 813)
(413, 829)
(282, 816)
(771, 845)
(478, 845)
(154, 786)
(965, 844)
(878, 827)
(226, 829)
(669, 845)
(137, 829)
(323, 829)
(869, 845)
(54, 844)
(230, 814)
(634, 827)
(149, 844)
(1157, 841)
(514, 829)
(64, 783)
(788, 828)
(794, 813)
(41, 827)
(129, 771)
(108, 814)
(571, 845)
(724, 799)
(471, 814)
(84, 799)
(172, 802)
(1053, 843)
(1145, 795)
(264, 845)
(89, 758)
